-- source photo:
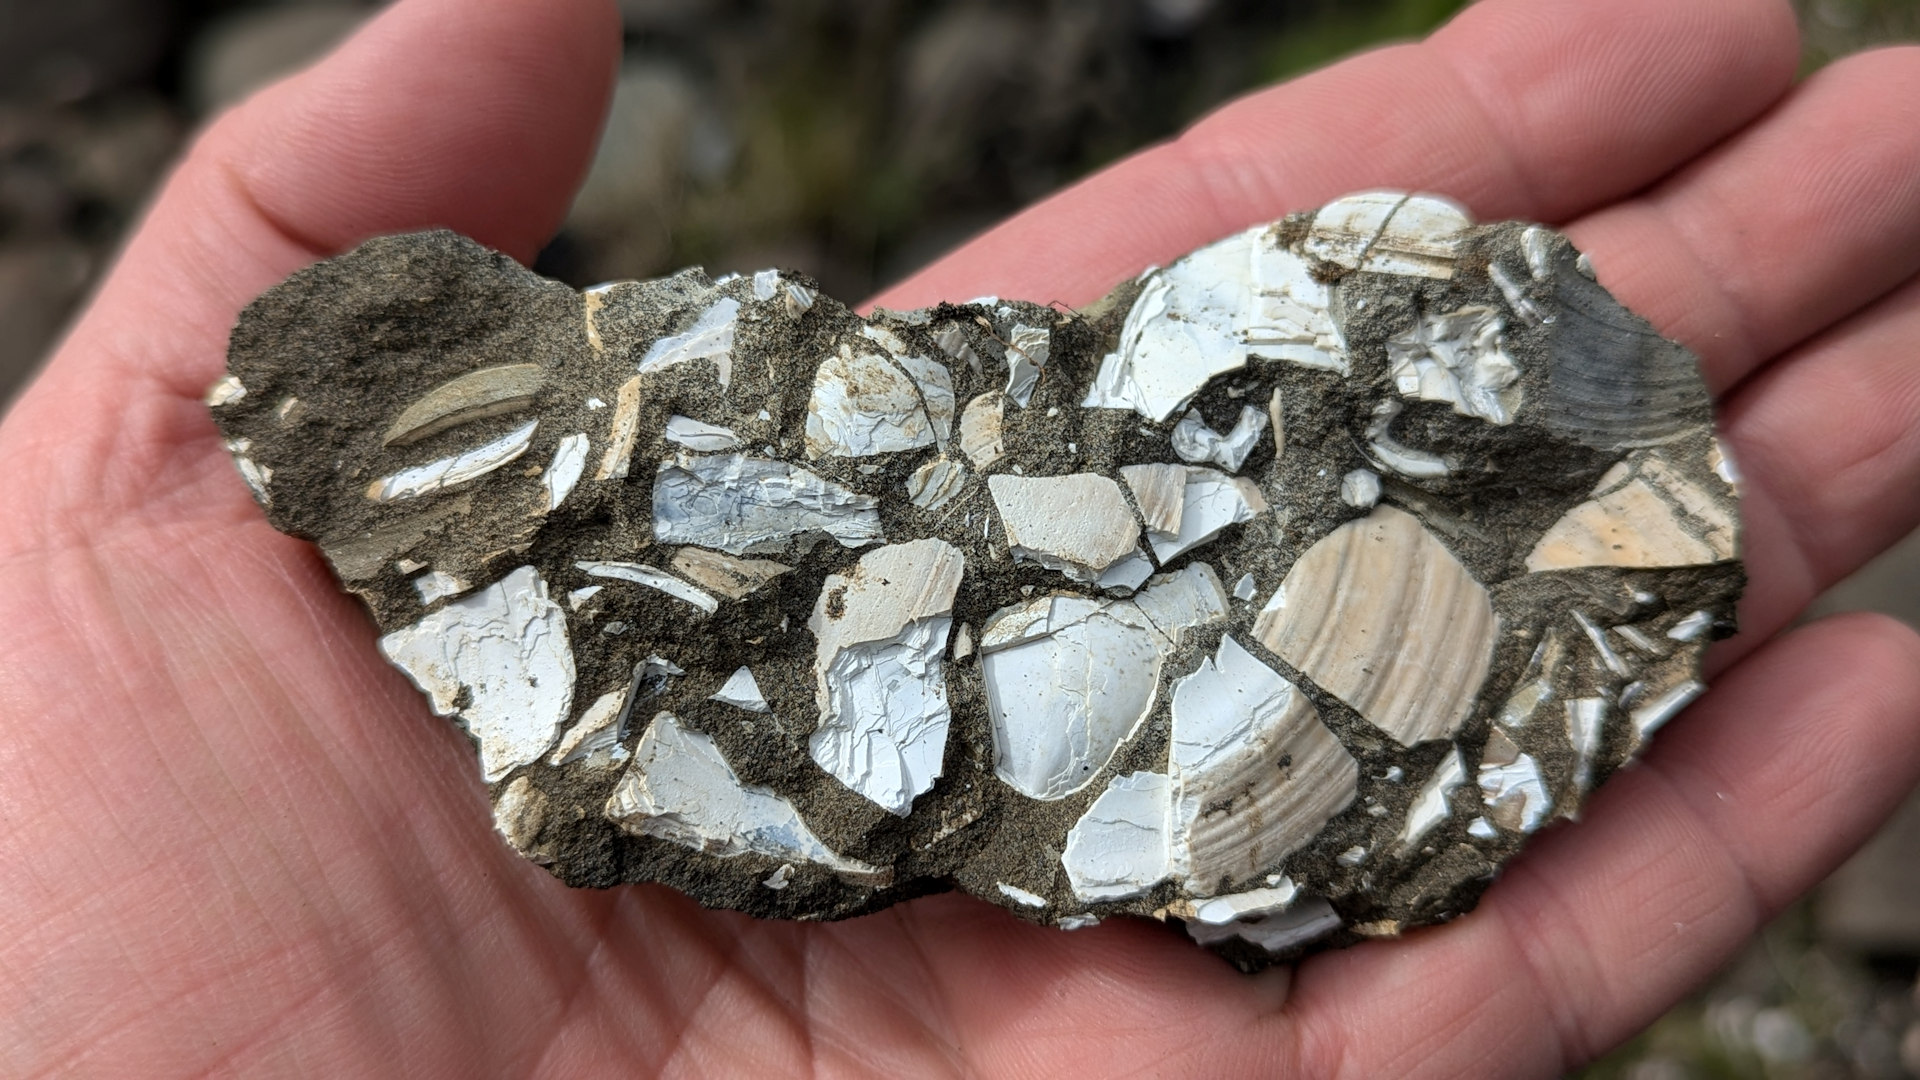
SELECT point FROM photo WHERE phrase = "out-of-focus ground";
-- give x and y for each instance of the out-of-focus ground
(857, 140)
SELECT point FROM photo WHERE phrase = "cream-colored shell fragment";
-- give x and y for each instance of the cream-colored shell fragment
(731, 577)
(981, 425)
(1186, 506)
(505, 649)
(520, 813)
(880, 673)
(1642, 514)
(593, 739)
(1077, 524)
(451, 471)
(1389, 232)
(622, 430)
(865, 404)
(936, 482)
(1381, 615)
(1257, 774)
(494, 391)
(680, 788)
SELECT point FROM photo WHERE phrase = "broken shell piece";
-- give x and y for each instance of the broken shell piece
(503, 650)
(1119, 847)
(694, 435)
(225, 392)
(1020, 896)
(680, 789)
(1194, 441)
(1252, 904)
(1389, 454)
(1257, 774)
(766, 284)
(1459, 358)
(652, 579)
(741, 692)
(882, 691)
(458, 469)
(476, 395)
(1388, 232)
(1185, 507)
(563, 472)
(438, 585)
(1360, 488)
(709, 338)
(1068, 679)
(1516, 794)
(779, 878)
(1027, 349)
(1245, 589)
(730, 577)
(742, 504)
(520, 813)
(980, 427)
(1429, 807)
(1651, 715)
(1382, 616)
(1306, 922)
(1642, 514)
(1078, 524)
(865, 404)
(1586, 724)
(622, 431)
(933, 484)
(595, 737)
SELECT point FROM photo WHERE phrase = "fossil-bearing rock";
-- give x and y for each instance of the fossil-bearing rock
(1285, 591)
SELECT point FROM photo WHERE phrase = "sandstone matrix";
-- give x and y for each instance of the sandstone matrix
(1280, 595)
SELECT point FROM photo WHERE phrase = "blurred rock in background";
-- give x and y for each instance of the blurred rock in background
(857, 140)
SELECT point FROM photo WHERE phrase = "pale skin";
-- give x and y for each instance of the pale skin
(235, 841)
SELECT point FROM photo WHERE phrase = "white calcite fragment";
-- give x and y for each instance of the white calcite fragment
(1515, 793)
(866, 403)
(963, 642)
(1360, 488)
(1197, 503)
(953, 341)
(766, 284)
(1460, 358)
(1305, 922)
(1388, 452)
(799, 299)
(1389, 232)
(1608, 658)
(504, 649)
(1069, 678)
(1245, 588)
(225, 392)
(1120, 847)
(1353, 856)
(1126, 575)
(780, 878)
(1027, 349)
(1194, 441)
(641, 574)
(981, 424)
(709, 338)
(1586, 725)
(578, 597)
(729, 576)
(1382, 616)
(563, 472)
(1256, 774)
(1482, 829)
(932, 485)
(694, 435)
(1430, 807)
(520, 813)
(1252, 904)
(1020, 896)
(1206, 314)
(595, 737)
(741, 505)
(1525, 701)
(742, 692)
(438, 585)
(1642, 514)
(1651, 715)
(882, 632)
(622, 431)
(1691, 627)
(679, 788)
(1523, 305)
(494, 391)
(450, 471)
(1077, 524)
(1536, 243)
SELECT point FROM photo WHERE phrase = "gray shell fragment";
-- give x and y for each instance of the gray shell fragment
(805, 614)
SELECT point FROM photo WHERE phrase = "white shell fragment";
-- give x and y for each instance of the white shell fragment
(1382, 616)
(451, 471)
(680, 788)
(505, 649)
(882, 635)
(942, 588)
(742, 504)
(709, 338)
(641, 574)
(1642, 514)
(1194, 441)
(694, 435)
(742, 692)
(1078, 524)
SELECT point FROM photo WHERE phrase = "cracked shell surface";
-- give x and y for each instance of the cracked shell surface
(1284, 593)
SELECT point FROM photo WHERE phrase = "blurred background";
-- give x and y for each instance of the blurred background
(857, 140)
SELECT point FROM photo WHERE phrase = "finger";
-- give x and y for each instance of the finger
(1520, 108)
(475, 116)
(1748, 800)
(1811, 213)
(1829, 441)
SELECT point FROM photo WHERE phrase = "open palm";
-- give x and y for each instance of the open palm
(233, 840)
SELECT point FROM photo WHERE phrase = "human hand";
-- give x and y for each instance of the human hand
(236, 841)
